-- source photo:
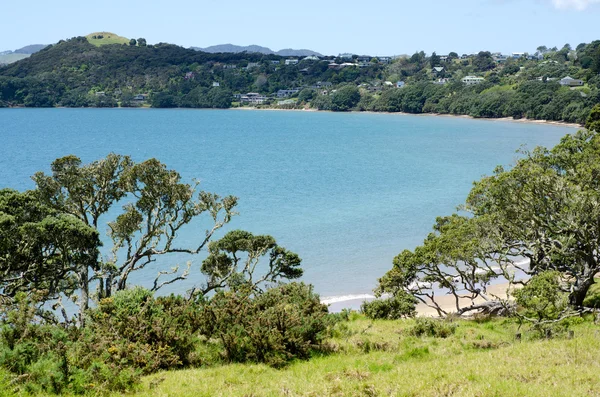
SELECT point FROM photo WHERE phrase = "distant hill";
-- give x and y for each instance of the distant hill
(30, 49)
(6, 59)
(224, 48)
(103, 38)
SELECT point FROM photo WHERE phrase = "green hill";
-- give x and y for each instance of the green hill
(104, 38)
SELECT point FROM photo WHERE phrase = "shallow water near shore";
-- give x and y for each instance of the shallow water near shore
(347, 192)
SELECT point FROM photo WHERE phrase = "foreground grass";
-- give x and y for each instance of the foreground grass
(380, 359)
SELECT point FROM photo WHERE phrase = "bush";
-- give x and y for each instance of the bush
(542, 298)
(134, 329)
(274, 327)
(432, 327)
(399, 306)
(126, 336)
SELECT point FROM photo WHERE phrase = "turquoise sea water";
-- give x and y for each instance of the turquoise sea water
(347, 192)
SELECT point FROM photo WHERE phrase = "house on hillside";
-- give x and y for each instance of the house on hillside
(400, 84)
(253, 98)
(310, 58)
(321, 84)
(274, 62)
(384, 60)
(287, 93)
(441, 81)
(291, 61)
(229, 66)
(437, 69)
(570, 82)
(252, 65)
(216, 84)
(472, 80)
(499, 58)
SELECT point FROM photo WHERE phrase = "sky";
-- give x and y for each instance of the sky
(375, 27)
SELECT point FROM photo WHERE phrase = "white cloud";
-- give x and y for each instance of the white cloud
(579, 5)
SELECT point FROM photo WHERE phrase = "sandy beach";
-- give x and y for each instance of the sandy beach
(446, 302)
(502, 119)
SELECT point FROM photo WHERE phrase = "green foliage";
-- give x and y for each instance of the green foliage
(232, 261)
(432, 327)
(306, 95)
(345, 98)
(593, 121)
(284, 323)
(133, 329)
(400, 305)
(42, 249)
(542, 298)
(592, 298)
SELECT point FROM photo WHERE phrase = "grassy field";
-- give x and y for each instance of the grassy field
(109, 38)
(381, 358)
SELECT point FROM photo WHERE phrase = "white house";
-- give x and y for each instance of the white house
(570, 82)
(253, 98)
(291, 61)
(216, 84)
(400, 84)
(310, 58)
(471, 80)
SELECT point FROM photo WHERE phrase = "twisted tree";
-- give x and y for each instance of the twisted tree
(539, 216)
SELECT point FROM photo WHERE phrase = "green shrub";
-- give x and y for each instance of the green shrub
(592, 298)
(542, 298)
(432, 327)
(399, 306)
(274, 327)
(126, 336)
(134, 329)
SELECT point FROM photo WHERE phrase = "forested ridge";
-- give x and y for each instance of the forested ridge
(75, 73)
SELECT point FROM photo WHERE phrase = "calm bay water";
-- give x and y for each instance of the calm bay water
(347, 192)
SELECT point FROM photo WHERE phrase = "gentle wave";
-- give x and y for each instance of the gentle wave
(344, 298)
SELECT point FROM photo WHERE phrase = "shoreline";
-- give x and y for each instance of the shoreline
(464, 116)
(446, 302)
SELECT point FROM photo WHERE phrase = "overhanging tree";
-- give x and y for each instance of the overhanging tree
(539, 216)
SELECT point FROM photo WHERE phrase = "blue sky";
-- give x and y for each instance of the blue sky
(376, 27)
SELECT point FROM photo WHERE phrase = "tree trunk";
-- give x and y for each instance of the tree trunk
(579, 292)
(85, 293)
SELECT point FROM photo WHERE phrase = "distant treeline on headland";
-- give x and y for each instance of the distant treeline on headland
(552, 84)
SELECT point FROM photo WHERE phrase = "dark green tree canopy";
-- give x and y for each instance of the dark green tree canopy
(42, 251)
